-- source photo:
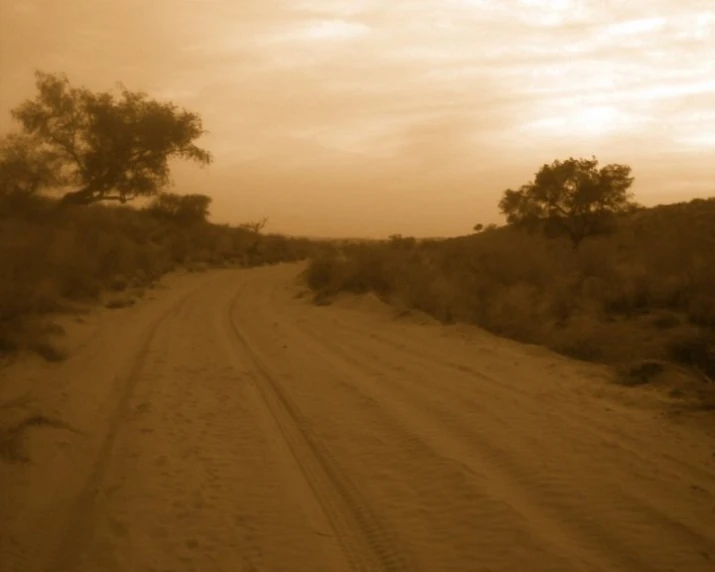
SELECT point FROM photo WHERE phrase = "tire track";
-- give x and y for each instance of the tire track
(189, 485)
(634, 507)
(500, 485)
(576, 420)
(588, 532)
(422, 485)
(67, 556)
(365, 542)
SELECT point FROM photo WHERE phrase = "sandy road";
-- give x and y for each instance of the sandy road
(232, 426)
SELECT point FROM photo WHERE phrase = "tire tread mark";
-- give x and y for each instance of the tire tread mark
(65, 559)
(577, 419)
(500, 460)
(365, 541)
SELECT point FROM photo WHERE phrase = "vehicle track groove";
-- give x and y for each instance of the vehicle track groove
(67, 555)
(366, 543)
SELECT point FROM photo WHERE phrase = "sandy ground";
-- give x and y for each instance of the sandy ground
(229, 424)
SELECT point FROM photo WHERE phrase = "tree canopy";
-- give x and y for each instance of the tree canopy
(572, 197)
(111, 147)
(26, 167)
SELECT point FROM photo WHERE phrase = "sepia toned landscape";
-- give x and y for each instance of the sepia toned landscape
(350, 286)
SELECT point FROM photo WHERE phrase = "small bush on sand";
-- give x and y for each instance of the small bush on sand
(696, 350)
(641, 372)
(116, 303)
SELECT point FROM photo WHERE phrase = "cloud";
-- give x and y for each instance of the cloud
(404, 98)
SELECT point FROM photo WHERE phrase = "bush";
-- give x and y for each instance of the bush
(49, 256)
(695, 350)
(321, 273)
(629, 295)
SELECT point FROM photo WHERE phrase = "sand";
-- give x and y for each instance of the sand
(228, 424)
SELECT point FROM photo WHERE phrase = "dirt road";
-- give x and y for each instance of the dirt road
(231, 425)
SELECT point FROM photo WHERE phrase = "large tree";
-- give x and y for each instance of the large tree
(111, 147)
(573, 198)
(26, 167)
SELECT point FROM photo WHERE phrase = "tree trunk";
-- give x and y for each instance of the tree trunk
(87, 196)
(81, 197)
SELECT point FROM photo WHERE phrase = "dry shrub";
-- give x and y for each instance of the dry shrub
(618, 298)
(49, 256)
(323, 274)
(640, 372)
(697, 350)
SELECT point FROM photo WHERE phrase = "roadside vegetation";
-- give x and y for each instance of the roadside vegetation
(69, 235)
(579, 268)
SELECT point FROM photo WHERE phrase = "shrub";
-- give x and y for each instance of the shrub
(619, 297)
(50, 256)
(695, 350)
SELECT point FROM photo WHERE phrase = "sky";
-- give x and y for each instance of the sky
(366, 118)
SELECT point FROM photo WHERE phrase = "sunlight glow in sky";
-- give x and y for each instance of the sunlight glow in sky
(369, 117)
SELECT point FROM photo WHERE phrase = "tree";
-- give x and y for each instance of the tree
(112, 148)
(254, 227)
(25, 167)
(254, 241)
(182, 209)
(572, 198)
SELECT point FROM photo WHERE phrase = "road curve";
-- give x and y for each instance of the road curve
(247, 429)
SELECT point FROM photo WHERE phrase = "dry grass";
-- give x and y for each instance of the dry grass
(50, 258)
(644, 292)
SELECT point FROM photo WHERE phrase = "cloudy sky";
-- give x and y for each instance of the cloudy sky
(373, 117)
